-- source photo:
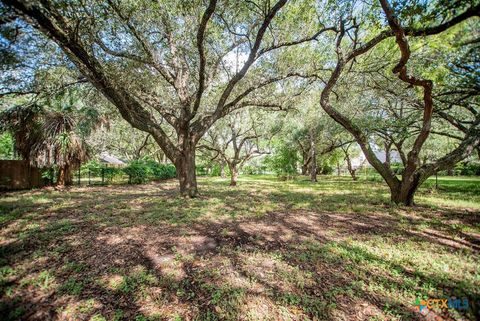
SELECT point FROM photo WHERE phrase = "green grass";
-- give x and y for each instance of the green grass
(265, 250)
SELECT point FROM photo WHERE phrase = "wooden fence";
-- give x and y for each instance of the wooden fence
(18, 174)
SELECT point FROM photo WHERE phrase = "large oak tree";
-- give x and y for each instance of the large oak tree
(167, 65)
(349, 48)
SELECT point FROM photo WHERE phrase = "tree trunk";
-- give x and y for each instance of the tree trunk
(305, 162)
(186, 173)
(222, 170)
(388, 147)
(64, 176)
(350, 168)
(313, 160)
(304, 169)
(61, 176)
(233, 175)
(405, 192)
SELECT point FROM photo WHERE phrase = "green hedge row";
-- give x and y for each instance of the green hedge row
(139, 171)
(142, 171)
(467, 169)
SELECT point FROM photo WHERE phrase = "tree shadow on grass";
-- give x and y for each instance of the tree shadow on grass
(291, 263)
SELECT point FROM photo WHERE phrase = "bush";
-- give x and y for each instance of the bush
(467, 169)
(109, 173)
(142, 171)
(93, 166)
(48, 175)
(326, 169)
(161, 171)
(216, 170)
(254, 170)
(201, 170)
(95, 169)
(6, 146)
(138, 171)
(283, 162)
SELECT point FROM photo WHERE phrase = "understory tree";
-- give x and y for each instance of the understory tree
(236, 140)
(315, 135)
(349, 151)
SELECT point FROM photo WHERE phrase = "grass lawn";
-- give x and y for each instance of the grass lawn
(265, 250)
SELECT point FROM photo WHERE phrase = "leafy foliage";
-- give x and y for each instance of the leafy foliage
(6, 146)
(138, 171)
(284, 161)
(141, 171)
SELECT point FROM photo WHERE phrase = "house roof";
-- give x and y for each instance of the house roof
(109, 159)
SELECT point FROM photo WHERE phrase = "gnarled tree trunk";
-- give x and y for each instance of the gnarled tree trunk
(404, 193)
(185, 165)
(388, 148)
(304, 169)
(305, 161)
(313, 159)
(233, 174)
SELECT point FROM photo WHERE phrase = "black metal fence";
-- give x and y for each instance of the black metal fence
(104, 175)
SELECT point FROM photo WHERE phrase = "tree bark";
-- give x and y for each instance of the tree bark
(233, 175)
(64, 176)
(222, 169)
(350, 168)
(304, 169)
(187, 177)
(388, 147)
(305, 161)
(313, 159)
(404, 194)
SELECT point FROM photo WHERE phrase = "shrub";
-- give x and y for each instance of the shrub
(326, 169)
(467, 169)
(97, 169)
(142, 171)
(161, 171)
(138, 171)
(216, 170)
(109, 173)
(93, 166)
(254, 170)
(201, 170)
(48, 175)
(283, 162)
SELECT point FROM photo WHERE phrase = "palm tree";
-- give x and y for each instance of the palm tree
(23, 123)
(60, 146)
(46, 139)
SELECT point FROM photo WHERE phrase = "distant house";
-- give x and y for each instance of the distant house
(110, 160)
(361, 160)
